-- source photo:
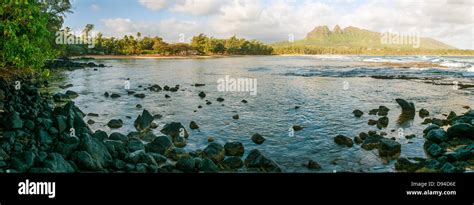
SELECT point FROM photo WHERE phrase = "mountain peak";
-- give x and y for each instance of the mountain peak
(337, 30)
(319, 32)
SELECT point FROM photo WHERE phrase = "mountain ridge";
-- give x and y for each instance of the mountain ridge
(354, 37)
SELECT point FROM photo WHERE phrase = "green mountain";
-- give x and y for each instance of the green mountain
(356, 38)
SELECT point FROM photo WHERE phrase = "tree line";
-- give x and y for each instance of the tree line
(139, 45)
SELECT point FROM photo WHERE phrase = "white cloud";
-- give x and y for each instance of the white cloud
(154, 5)
(95, 7)
(168, 29)
(451, 21)
(199, 7)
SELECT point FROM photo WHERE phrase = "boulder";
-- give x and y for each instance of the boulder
(115, 123)
(97, 150)
(258, 139)
(382, 122)
(100, 135)
(185, 164)
(297, 128)
(389, 148)
(437, 135)
(159, 145)
(175, 129)
(13, 121)
(313, 165)
(358, 113)
(143, 121)
(134, 145)
(215, 152)
(140, 95)
(57, 164)
(343, 140)
(407, 107)
(383, 111)
(409, 165)
(461, 130)
(84, 161)
(423, 113)
(234, 149)
(193, 125)
(434, 150)
(207, 166)
(202, 94)
(118, 136)
(255, 159)
(372, 142)
(232, 163)
(429, 128)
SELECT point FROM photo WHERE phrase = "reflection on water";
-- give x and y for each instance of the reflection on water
(326, 89)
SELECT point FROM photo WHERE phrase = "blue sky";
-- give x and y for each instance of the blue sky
(274, 20)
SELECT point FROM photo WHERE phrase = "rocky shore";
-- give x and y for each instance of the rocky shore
(449, 143)
(38, 136)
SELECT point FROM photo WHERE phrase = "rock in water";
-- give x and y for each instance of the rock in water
(358, 113)
(297, 128)
(208, 166)
(115, 123)
(71, 94)
(313, 165)
(215, 152)
(435, 150)
(202, 95)
(343, 140)
(175, 129)
(383, 111)
(185, 164)
(220, 99)
(408, 107)
(382, 122)
(139, 95)
(424, 113)
(193, 125)
(234, 149)
(143, 121)
(235, 117)
(389, 148)
(258, 139)
(437, 136)
(159, 145)
(461, 130)
(404, 164)
(233, 163)
(255, 159)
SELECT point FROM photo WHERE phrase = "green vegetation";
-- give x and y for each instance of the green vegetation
(356, 41)
(200, 45)
(28, 28)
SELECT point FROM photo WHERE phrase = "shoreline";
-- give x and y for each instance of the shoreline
(112, 57)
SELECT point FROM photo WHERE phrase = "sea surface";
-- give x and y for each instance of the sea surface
(327, 90)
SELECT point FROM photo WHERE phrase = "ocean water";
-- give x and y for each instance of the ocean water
(326, 88)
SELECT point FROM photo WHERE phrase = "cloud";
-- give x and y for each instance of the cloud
(95, 7)
(154, 5)
(169, 29)
(199, 7)
(450, 21)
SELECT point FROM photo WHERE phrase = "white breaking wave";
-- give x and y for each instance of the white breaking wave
(454, 65)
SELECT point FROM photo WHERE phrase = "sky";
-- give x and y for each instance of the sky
(450, 21)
